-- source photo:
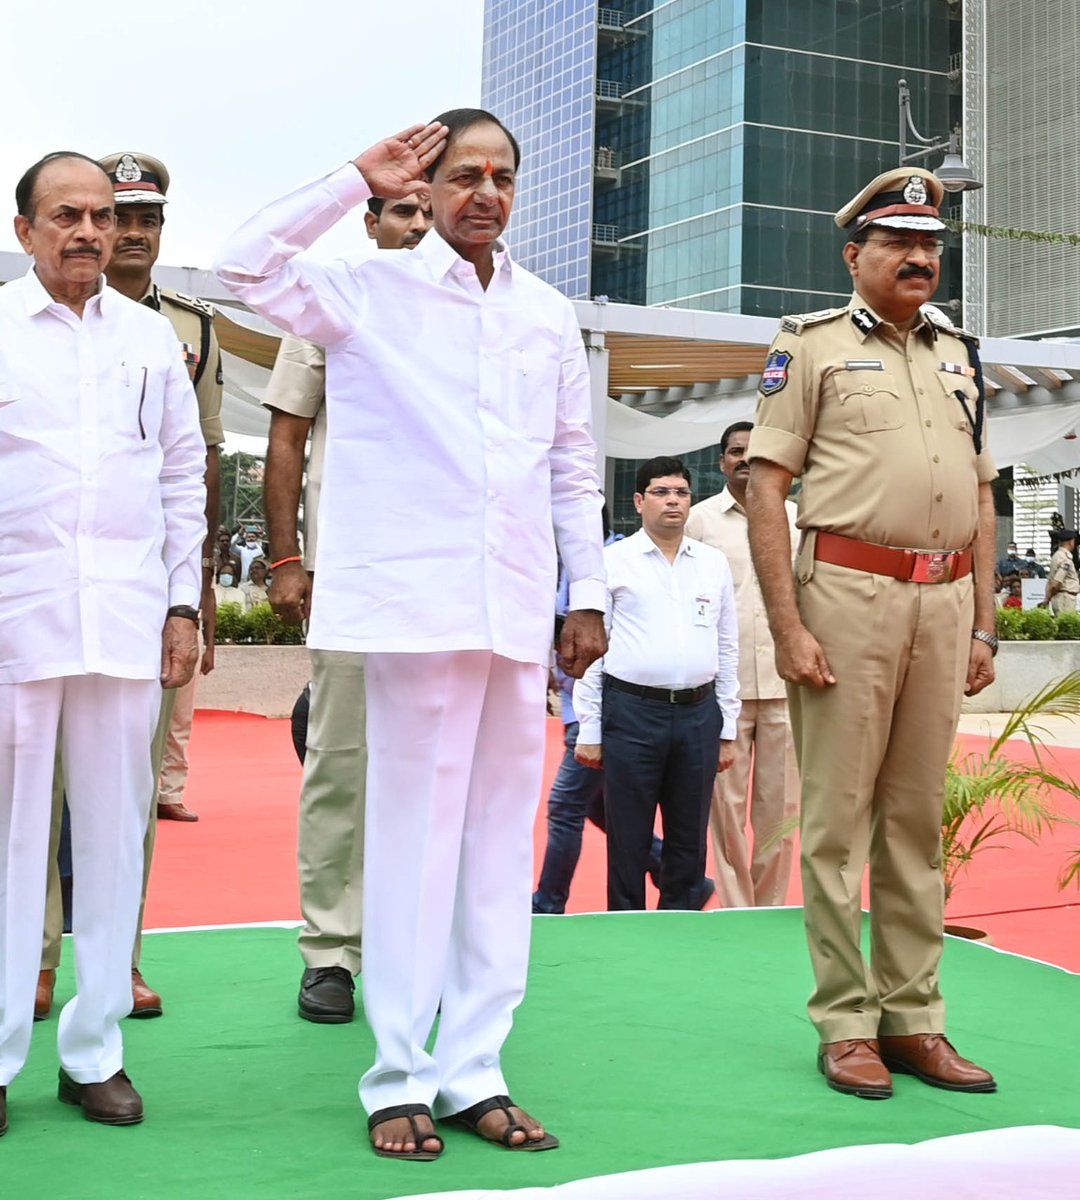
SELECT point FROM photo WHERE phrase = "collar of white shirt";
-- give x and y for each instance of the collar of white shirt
(727, 502)
(645, 544)
(37, 299)
(441, 258)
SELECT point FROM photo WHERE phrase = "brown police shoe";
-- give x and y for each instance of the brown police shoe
(854, 1067)
(114, 1102)
(145, 1002)
(3, 1111)
(931, 1058)
(175, 811)
(46, 981)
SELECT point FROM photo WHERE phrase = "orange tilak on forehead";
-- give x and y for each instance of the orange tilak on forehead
(489, 167)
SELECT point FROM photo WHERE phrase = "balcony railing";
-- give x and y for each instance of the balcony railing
(605, 235)
(609, 89)
(607, 159)
(610, 18)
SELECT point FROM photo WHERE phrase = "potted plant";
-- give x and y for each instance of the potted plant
(989, 794)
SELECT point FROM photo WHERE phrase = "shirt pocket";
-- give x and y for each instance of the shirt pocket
(531, 386)
(961, 400)
(138, 401)
(869, 401)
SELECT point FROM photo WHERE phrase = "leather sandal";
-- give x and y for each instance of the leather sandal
(412, 1111)
(469, 1118)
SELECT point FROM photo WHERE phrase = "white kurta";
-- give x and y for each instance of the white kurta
(458, 435)
(101, 489)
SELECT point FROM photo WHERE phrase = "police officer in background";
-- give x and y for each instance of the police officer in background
(140, 184)
(1063, 583)
(888, 621)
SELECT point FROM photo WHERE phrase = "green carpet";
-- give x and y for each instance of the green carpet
(645, 1040)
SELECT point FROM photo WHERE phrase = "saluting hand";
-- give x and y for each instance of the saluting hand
(395, 166)
(800, 659)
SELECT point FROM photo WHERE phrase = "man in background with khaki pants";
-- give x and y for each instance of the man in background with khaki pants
(764, 776)
(877, 407)
(330, 846)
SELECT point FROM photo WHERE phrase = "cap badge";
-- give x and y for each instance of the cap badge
(775, 376)
(128, 170)
(915, 190)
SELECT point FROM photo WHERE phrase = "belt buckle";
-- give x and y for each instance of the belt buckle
(671, 695)
(934, 566)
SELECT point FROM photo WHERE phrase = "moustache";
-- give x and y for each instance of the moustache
(82, 250)
(913, 269)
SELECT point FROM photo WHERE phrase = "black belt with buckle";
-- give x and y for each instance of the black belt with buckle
(668, 695)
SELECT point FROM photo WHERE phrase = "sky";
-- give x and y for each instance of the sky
(241, 101)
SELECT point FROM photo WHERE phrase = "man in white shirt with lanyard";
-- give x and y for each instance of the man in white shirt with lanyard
(101, 507)
(458, 418)
(659, 711)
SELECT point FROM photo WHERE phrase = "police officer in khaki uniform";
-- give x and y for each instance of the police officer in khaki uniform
(140, 184)
(888, 622)
(330, 847)
(1063, 583)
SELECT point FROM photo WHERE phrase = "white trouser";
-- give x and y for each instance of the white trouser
(456, 754)
(106, 726)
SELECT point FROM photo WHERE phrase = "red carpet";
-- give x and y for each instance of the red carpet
(238, 863)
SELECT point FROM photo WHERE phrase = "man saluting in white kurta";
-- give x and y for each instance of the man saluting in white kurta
(459, 455)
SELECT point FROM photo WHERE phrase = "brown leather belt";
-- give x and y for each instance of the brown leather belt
(914, 566)
(668, 695)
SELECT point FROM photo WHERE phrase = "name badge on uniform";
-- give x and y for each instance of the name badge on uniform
(701, 610)
(864, 364)
(775, 376)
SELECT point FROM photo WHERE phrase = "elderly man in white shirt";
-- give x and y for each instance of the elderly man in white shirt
(659, 711)
(458, 455)
(101, 524)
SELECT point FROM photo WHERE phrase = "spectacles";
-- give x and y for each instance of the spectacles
(661, 492)
(931, 247)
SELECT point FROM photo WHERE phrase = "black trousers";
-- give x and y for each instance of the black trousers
(657, 755)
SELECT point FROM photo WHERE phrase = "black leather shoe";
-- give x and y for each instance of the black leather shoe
(326, 995)
(702, 893)
(111, 1102)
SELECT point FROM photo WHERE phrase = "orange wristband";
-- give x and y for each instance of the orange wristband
(282, 561)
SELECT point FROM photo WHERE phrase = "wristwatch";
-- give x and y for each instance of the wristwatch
(984, 635)
(185, 611)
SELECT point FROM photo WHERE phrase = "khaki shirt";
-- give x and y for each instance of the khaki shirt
(870, 420)
(298, 386)
(189, 318)
(721, 522)
(1063, 571)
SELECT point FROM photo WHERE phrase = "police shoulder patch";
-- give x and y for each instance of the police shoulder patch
(797, 323)
(775, 376)
(191, 302)
(938, 319)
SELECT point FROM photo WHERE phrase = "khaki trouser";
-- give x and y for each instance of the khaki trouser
(872, 753)
(330, 849)
(764, 776)
(1063, 602)
(52, 935)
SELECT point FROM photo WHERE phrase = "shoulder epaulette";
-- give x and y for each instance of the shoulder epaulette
(937, 318)
(191, 302)
(796, 324)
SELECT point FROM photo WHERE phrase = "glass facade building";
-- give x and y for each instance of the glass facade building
(691, 153)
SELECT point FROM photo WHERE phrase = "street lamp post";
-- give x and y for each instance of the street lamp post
(954, 173)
